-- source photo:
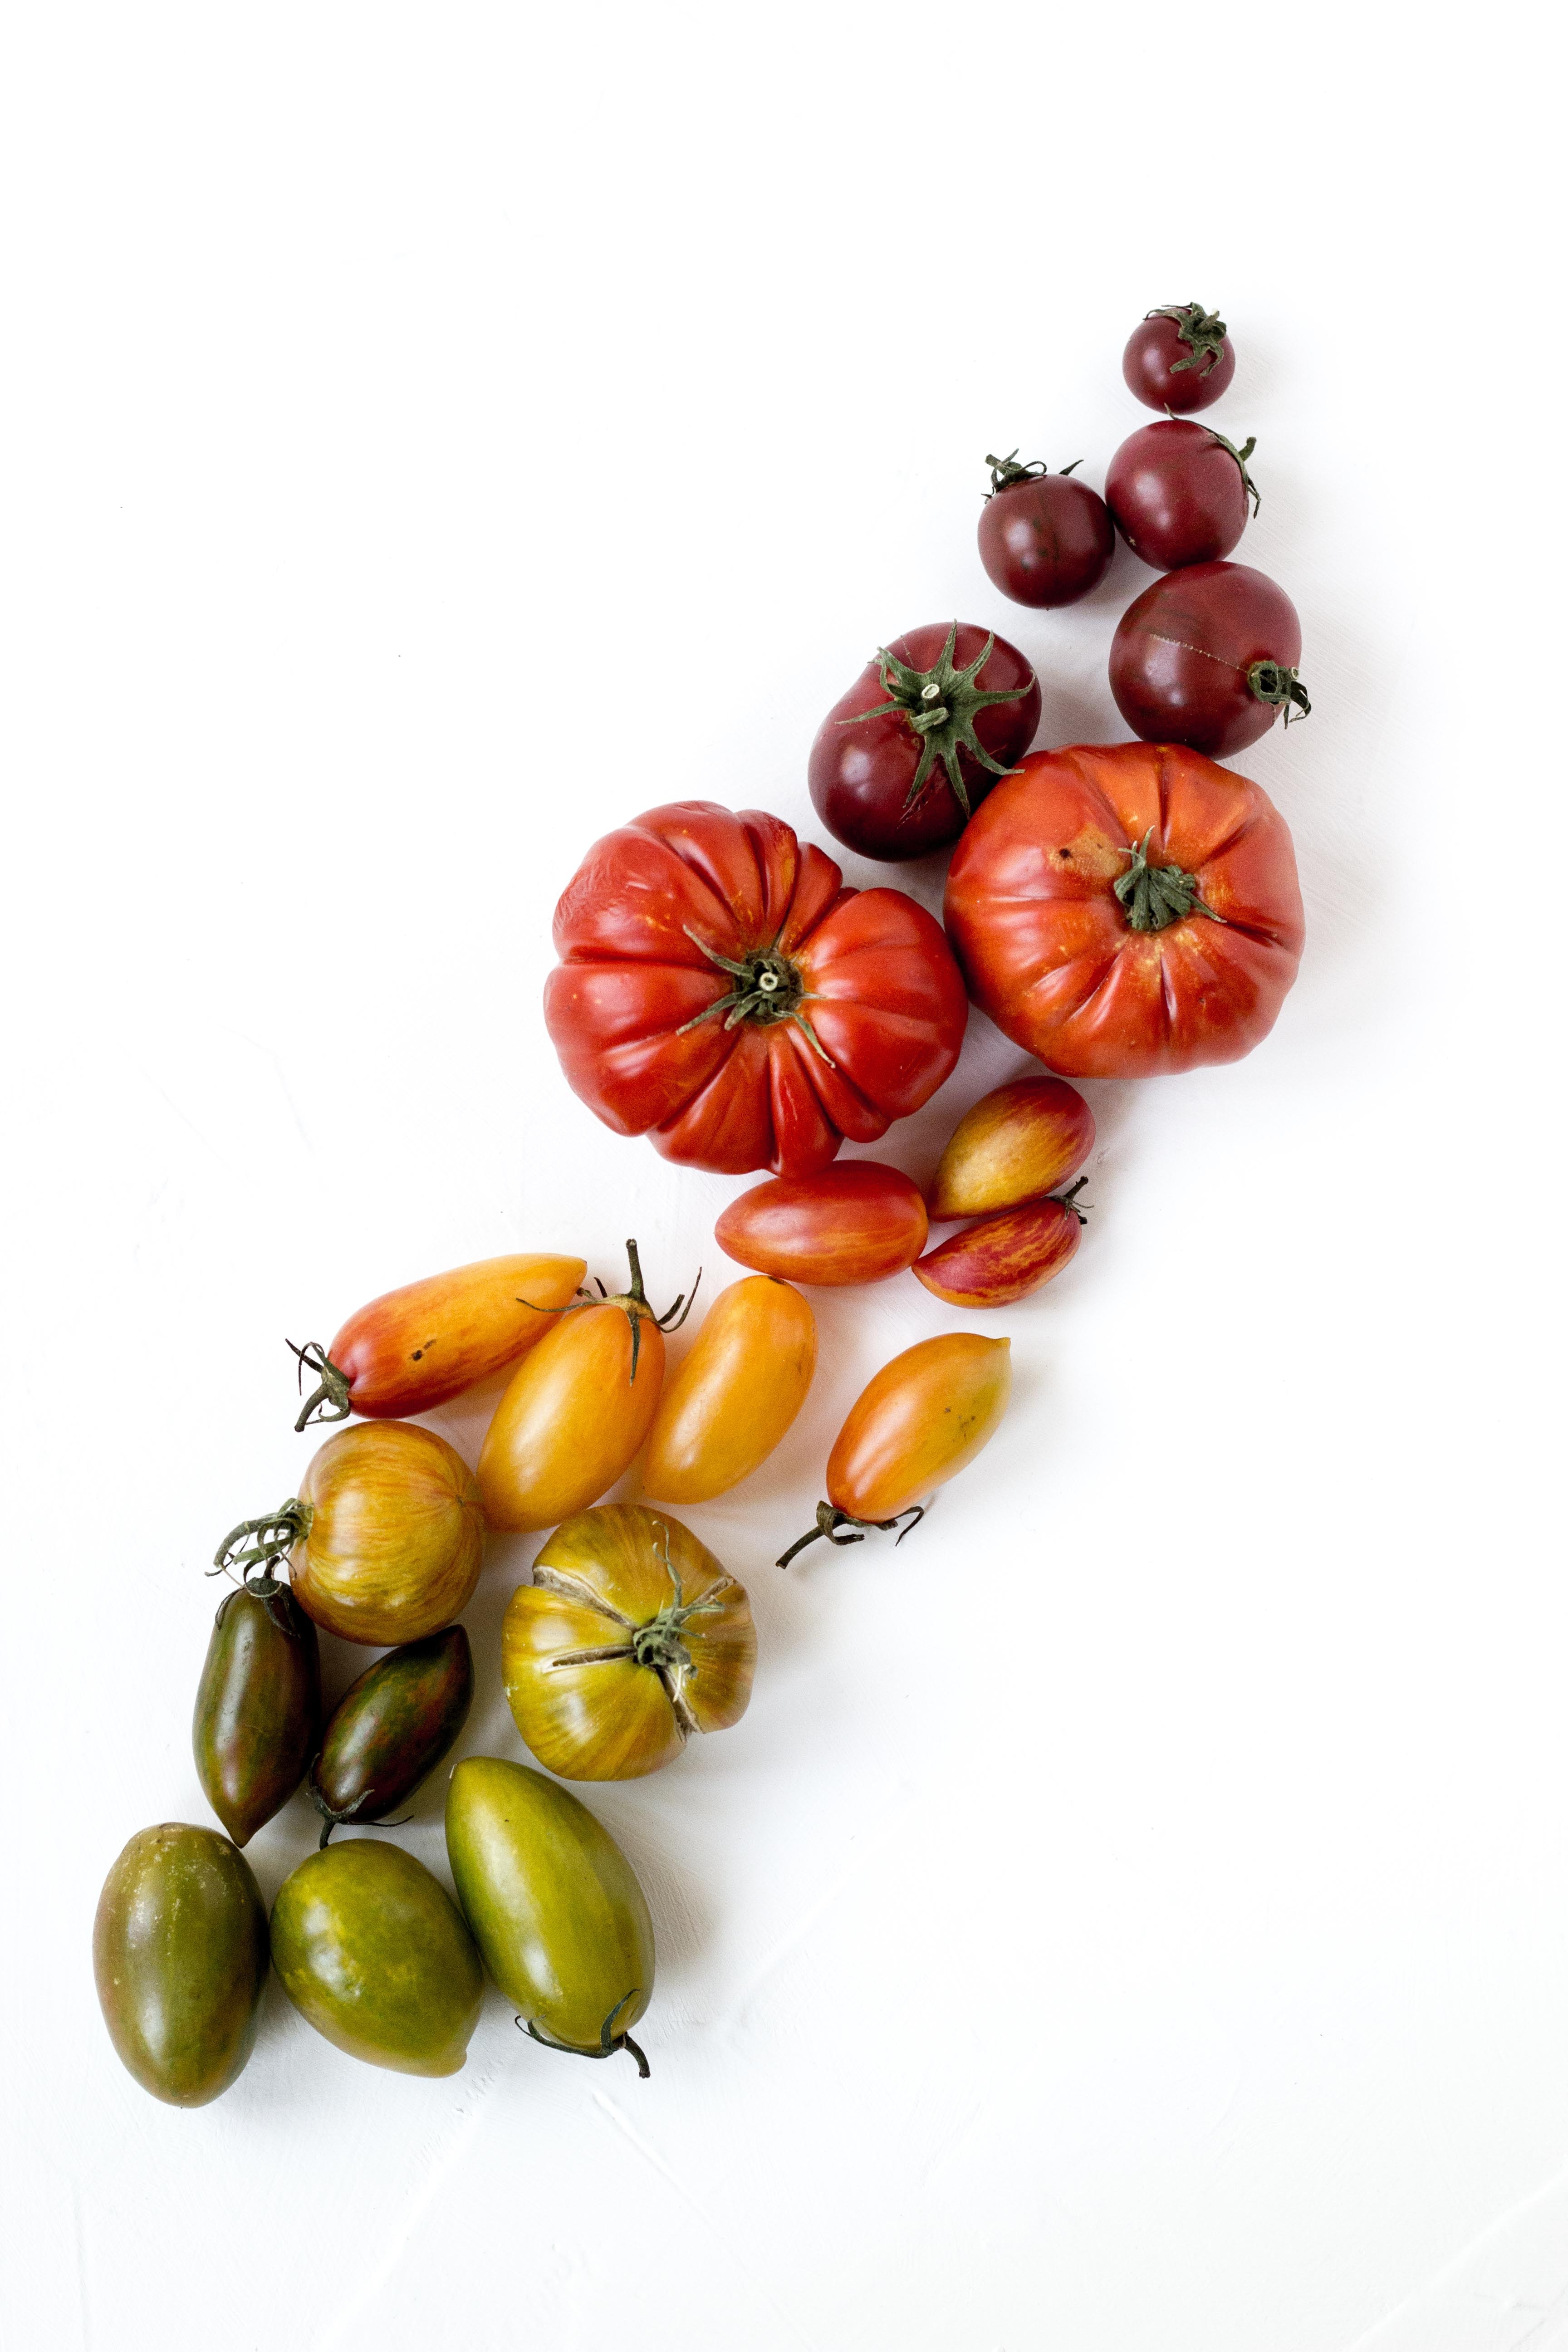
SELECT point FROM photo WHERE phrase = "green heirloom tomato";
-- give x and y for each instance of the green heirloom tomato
(371, 1951)
(554, 1905)
(391, 1728)
(259, 1707)
(179, 1951)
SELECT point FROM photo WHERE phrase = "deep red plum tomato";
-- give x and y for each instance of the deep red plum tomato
(902, 760)
(1180, 358)
(1207, 657)
(1044, 538)
(1179, 493)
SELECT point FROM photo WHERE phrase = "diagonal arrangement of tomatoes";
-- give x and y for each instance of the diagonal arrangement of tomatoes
(1119, 910)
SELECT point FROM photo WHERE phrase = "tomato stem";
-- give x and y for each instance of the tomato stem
(608, 2044)
(633, 1303)
(1005, 473)
(279, 1532)
(1069, 1200)
(768, 988)
(831, 1522)
(1272, 682)
(1202, 331)
(1153, 896)
(941, 705)
(329, 1401)
(1241, 457)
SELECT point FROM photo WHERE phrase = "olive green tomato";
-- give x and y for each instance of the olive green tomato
(371, 1951)
(179, 1951)
(555, 1905)
(259, 1707)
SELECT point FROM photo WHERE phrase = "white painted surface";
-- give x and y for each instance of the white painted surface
(1134, 1915)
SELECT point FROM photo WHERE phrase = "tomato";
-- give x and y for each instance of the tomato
(259, 1707)
(373, 1952)
(920, 739)
(855, 1222)
(738, 1390)
(916, 1424)
(720, 988)
(1180, 358)
(554, 1905)
(391, 1728)
(1127, 909)
(384, 1538)
(577, 1409)
(414, 1347)
(631, 1637)
(179, 1954)
(1044, 538)
(1179, 493)
(1207, 657)
(1015, 1145)
(1006, 1256)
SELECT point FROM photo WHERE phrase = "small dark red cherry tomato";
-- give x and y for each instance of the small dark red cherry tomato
(1179, 493)
(1207, 657)
(902, 760)
(1044, 538)
(1180, 358)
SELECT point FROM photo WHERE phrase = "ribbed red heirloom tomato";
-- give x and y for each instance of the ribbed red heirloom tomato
(1127, 909)
(1207, 657)
(1178, 358)
(1044, 539)
(1179, 493)
(720, 990)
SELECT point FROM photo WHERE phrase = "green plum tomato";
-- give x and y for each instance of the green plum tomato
(391, 1728)
(179, 1951)
(259, 1707)
(371, 1950)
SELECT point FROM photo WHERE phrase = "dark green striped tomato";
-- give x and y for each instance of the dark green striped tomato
(371, 1950)
(555, 1905)
(179, 1951)
(259, 1707)
(391, 1728)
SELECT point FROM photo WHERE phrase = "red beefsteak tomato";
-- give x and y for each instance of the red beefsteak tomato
(1127, 909)
(719, 989)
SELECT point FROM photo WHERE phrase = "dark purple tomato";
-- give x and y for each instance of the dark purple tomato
(1207, 657)
(1179, 493)
(1178, 358)
(1044, 538)
(901, 761)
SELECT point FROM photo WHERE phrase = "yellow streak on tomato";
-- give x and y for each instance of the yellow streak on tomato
(396, 1534)
(918, 1422)
(730, 1401)
(572, 1418)
(1016, 1144)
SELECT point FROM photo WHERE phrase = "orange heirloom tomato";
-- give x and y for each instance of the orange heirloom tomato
(731, 1401)
(1004, 1258)
(576, 1409)
(631, 1637)
(916, 1424)
(414, 1347)
(1016, 1144)
(855, 1222)
(383, 1539)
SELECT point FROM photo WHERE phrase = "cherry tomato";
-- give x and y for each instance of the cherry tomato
(1004, 1258)
(383, 1539)
(1044, 538)
(577, 1409)
(1015, 1145)
(1180, 358)
(414, 1347)
(740, 1388)
(915, 1425)
(631, 1637)
(856, 1223)
(918, 740)
(1207, 657)
(1179, 493)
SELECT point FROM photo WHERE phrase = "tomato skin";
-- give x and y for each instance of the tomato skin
(1033, 911)
(1015, 1145)
(1183, 651)
(373, 1952)
(1001, 1258)
(391, 1728)
(918, 1422)
(858, 1221)
(257, 1718)
(414, 1347)
(743, 1381)
(179, 1955)
(633, 1008)
(572, 1419)
(395, 1535)
(862, 770)
(1159, 369)
(1046, 542)
(605, 1578)
(1177, 493)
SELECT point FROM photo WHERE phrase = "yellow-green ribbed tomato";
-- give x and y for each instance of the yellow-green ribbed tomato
(555, 1905)
(371, 1950)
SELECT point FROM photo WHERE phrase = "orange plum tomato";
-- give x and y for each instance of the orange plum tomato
(1015, 1145)
(737, 1392)
(1004, 1258)
(857, 1222)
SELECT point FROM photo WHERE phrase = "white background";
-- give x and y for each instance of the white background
(1133, 1916)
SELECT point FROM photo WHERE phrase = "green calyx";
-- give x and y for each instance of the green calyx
(1272, 682)
(632, 1301)
(1202, 331)
(1006, 472)
(257, 1545)
(1241, 457)
(329, 1399)
(941, 704)
(1154, 896)
(842, 1527)
(610, 2041)
(767, 988)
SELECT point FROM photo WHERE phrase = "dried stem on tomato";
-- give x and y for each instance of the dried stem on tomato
(831, 1523)
(633, 1303)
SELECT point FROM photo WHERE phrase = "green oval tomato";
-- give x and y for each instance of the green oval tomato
(371, 1951)
(179, 1951)
(259, 1707)
(391, 1728)
(554, 1905)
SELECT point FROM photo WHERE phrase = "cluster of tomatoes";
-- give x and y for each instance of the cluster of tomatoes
(1117, 910)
